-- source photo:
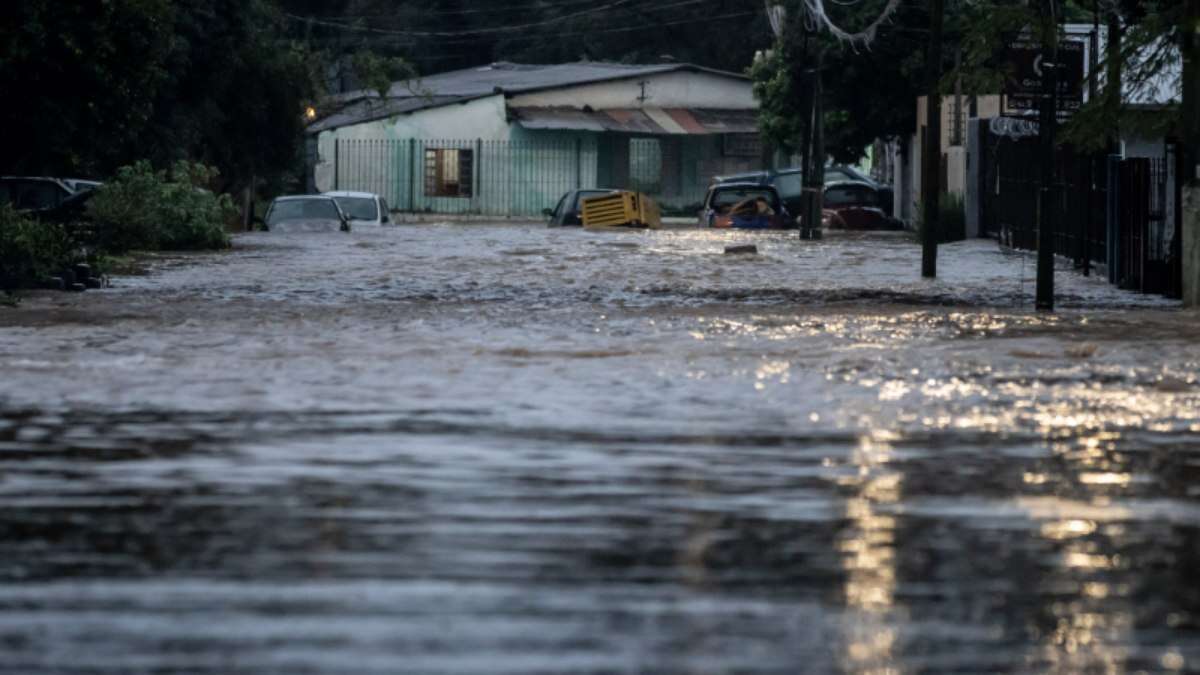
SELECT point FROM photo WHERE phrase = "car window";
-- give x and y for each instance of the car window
(851, 195)
(358, 208)
(37, 195)
(302, 209)
(383, 216)
(560, 206)
(725, 198)
(789, 185)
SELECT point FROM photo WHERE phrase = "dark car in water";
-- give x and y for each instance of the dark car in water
(854, 205)
(570, 207)
(305, 213)
(789, 183)
(746, 206)
(841, 173)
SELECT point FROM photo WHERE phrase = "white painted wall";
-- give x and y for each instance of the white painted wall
(666, 90)
(484, 119)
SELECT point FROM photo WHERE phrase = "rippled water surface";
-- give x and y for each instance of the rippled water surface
(507, 449)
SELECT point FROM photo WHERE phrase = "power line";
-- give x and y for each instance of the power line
(478, 31)
(625, 29)
(494, 30)
(456, 12)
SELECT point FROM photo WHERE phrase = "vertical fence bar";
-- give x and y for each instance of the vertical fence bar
(412, 175)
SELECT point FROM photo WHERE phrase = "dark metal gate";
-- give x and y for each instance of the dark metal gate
(1122, 213)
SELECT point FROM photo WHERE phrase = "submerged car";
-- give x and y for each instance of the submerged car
(569, 210)
(745, 206)
(305, 213)
(789, 183)
(365, 208)
(843, 173)
(854, 205)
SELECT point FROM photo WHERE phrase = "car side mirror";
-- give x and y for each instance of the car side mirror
(547, 212)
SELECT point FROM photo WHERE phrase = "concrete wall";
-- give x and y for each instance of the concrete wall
(668, 90)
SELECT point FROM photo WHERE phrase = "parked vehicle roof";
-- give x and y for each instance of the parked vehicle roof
(349, 193)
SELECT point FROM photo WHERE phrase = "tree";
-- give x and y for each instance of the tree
(98, 85)
(869, 91)
(81, 79)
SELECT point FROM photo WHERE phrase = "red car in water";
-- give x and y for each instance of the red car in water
(854, 205)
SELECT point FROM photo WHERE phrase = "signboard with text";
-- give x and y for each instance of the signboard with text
(1028, 63)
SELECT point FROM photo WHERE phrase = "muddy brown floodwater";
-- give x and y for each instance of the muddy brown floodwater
(508, 449)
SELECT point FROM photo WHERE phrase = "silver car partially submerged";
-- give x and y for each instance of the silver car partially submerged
(305, 213)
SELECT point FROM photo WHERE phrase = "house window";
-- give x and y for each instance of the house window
(448, 172)
(743, 145)
(645, 165)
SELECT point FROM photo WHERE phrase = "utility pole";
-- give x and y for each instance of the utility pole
(931, 155)
(1048, 111)
(814, 170)
(1190, 47)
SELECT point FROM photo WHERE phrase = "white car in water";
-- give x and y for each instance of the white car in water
(364, 208)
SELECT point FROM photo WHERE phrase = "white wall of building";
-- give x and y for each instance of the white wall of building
(667, 90)
(484, 119)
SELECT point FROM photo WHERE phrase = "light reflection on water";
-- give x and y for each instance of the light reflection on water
(506, 449)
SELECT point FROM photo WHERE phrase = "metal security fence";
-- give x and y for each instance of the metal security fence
(1121, 213)
(519, 178)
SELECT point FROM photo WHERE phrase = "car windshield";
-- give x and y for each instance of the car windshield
(837, 173)
(789, 184)
(851, 195)
(358, 208)
(723, 199)
(302, 209)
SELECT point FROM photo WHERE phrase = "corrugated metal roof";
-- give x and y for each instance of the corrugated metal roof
(658, 121)
(471, 83)
(367, 110)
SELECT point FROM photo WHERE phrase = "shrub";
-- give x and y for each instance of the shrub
(146, 209)
(30, 250)
(952, 217)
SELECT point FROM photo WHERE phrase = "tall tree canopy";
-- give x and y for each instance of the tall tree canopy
(96, 84)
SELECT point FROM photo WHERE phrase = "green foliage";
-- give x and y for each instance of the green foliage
(1148, 34)
(952, 218)
(97, 85)
(147, 209)
(868, 93)
(30, 250)
(378, 72)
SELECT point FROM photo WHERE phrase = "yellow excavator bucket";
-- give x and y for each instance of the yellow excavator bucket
(621, 209)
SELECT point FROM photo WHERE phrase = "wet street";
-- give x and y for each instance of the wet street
(508, 449)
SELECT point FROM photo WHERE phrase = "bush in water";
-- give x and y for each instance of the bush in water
(31, 251)
(146, 209)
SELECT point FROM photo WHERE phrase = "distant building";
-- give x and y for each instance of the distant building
(509, 139)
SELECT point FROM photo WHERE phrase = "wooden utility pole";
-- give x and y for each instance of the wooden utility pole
(1190, 47)
(931, 154)
(1048, 120)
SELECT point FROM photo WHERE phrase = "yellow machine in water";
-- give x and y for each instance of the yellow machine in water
(621, 209)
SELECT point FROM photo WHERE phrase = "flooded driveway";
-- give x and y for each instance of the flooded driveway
(507, 449)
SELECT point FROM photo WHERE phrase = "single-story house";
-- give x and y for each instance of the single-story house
(509, 139)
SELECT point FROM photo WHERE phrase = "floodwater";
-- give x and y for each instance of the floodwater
(507, 449)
